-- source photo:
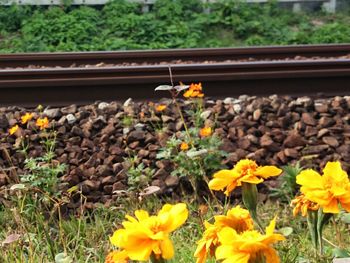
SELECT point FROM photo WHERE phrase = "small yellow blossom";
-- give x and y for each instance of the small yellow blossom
(147, 235)
(205, 132)
(236, 218)
(245, 171)
(184, 146)
(249, 246)
(328, 190)
(160, 107)
(26, 117)
(13, 129)
(42, 123)
(302, 205)
(194, 91)
(117, 257)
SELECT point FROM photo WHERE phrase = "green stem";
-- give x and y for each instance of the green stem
(322, 220)
(183, 120)
(250, 201)
(312, 225)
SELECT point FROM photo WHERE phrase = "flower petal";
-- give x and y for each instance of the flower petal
(267, 171)
(310, 178)
(167, 248)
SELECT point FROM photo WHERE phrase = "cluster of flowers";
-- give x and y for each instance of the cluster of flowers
(41, 123)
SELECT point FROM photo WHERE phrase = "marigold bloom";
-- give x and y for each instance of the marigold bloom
(146, 235)
(244, 171)
(194, 91)
(327, 190)
(117, 257)
(160, 107)
(248, 246)
(42, 123)
(205, 132)
(236, 218)
(302, 205)
(184, 146)
(13, 129)
(26, 117)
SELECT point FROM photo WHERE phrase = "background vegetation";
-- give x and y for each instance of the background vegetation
(170, 24)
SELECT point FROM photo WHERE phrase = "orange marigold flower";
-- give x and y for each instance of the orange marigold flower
(245, 171)
(236, 218)
(26, 117)
(117, 257)
(160, 107)
(194, 91)
(302, 205)
(205, 132)
(329, 189)
(42, 123)
(146, 236)
(13, 129)
(249, 246)
(184, 146)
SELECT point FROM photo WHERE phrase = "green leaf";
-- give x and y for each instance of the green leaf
(340, 253)
(286, 231)
(63, 258)
(346, 218)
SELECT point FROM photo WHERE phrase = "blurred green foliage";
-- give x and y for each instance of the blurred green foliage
(169, 24)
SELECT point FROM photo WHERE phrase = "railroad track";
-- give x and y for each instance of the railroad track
(63, 78)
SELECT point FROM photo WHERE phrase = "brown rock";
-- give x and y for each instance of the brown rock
(316, 149)
(308, 119)
(256, 114)
(294, 139)
(331, 141)
(171, 181)
(322, 132)
(92, 185)
(321, 107)
(137, 135)
(281, 156)
(119, 186)
(310, 131)
(243, 143)
(3, 179)
(268, 143)
(291, 152)
(227, 146)
(325, 122)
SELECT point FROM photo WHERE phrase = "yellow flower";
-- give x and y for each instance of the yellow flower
(250, 246)
(302, 205)
(194, 91)
(42, 123)
(160, 107)
(26, 117)
(244, 171)
(208, 242)
(236, 218)
(13, 129)
(184, 146)
(205, 132)
(117, 257)
(328, 190)
(146, 235)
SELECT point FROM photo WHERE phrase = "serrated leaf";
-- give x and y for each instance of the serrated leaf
(340, 253)
(286, 231)
(18, 187)
(164, 87)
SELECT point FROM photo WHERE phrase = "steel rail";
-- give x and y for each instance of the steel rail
(62, 86)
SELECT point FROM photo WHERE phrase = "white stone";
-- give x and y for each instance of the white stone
(71, 118)
(102, 105)
(205, 114)
(127, 102)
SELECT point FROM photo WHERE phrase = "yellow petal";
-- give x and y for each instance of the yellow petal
(172, 217)
(268, 171)
(142, 251)
(332, 207)
(251, 180)
(227, 235)
(310, 178)
(271, 227)
(167, 249)
(334, 171)
(141, 214)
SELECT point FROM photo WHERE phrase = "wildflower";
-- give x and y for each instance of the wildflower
(160, 107)
(146, 236)
(328, 190)
(26, 117)
(194, 91)
(42, 123)
(302, 205)
(236, 218)
(245, 171)
(205, 132)
(249, 246)
(117, 257)
(13, 129)
(184, 146)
